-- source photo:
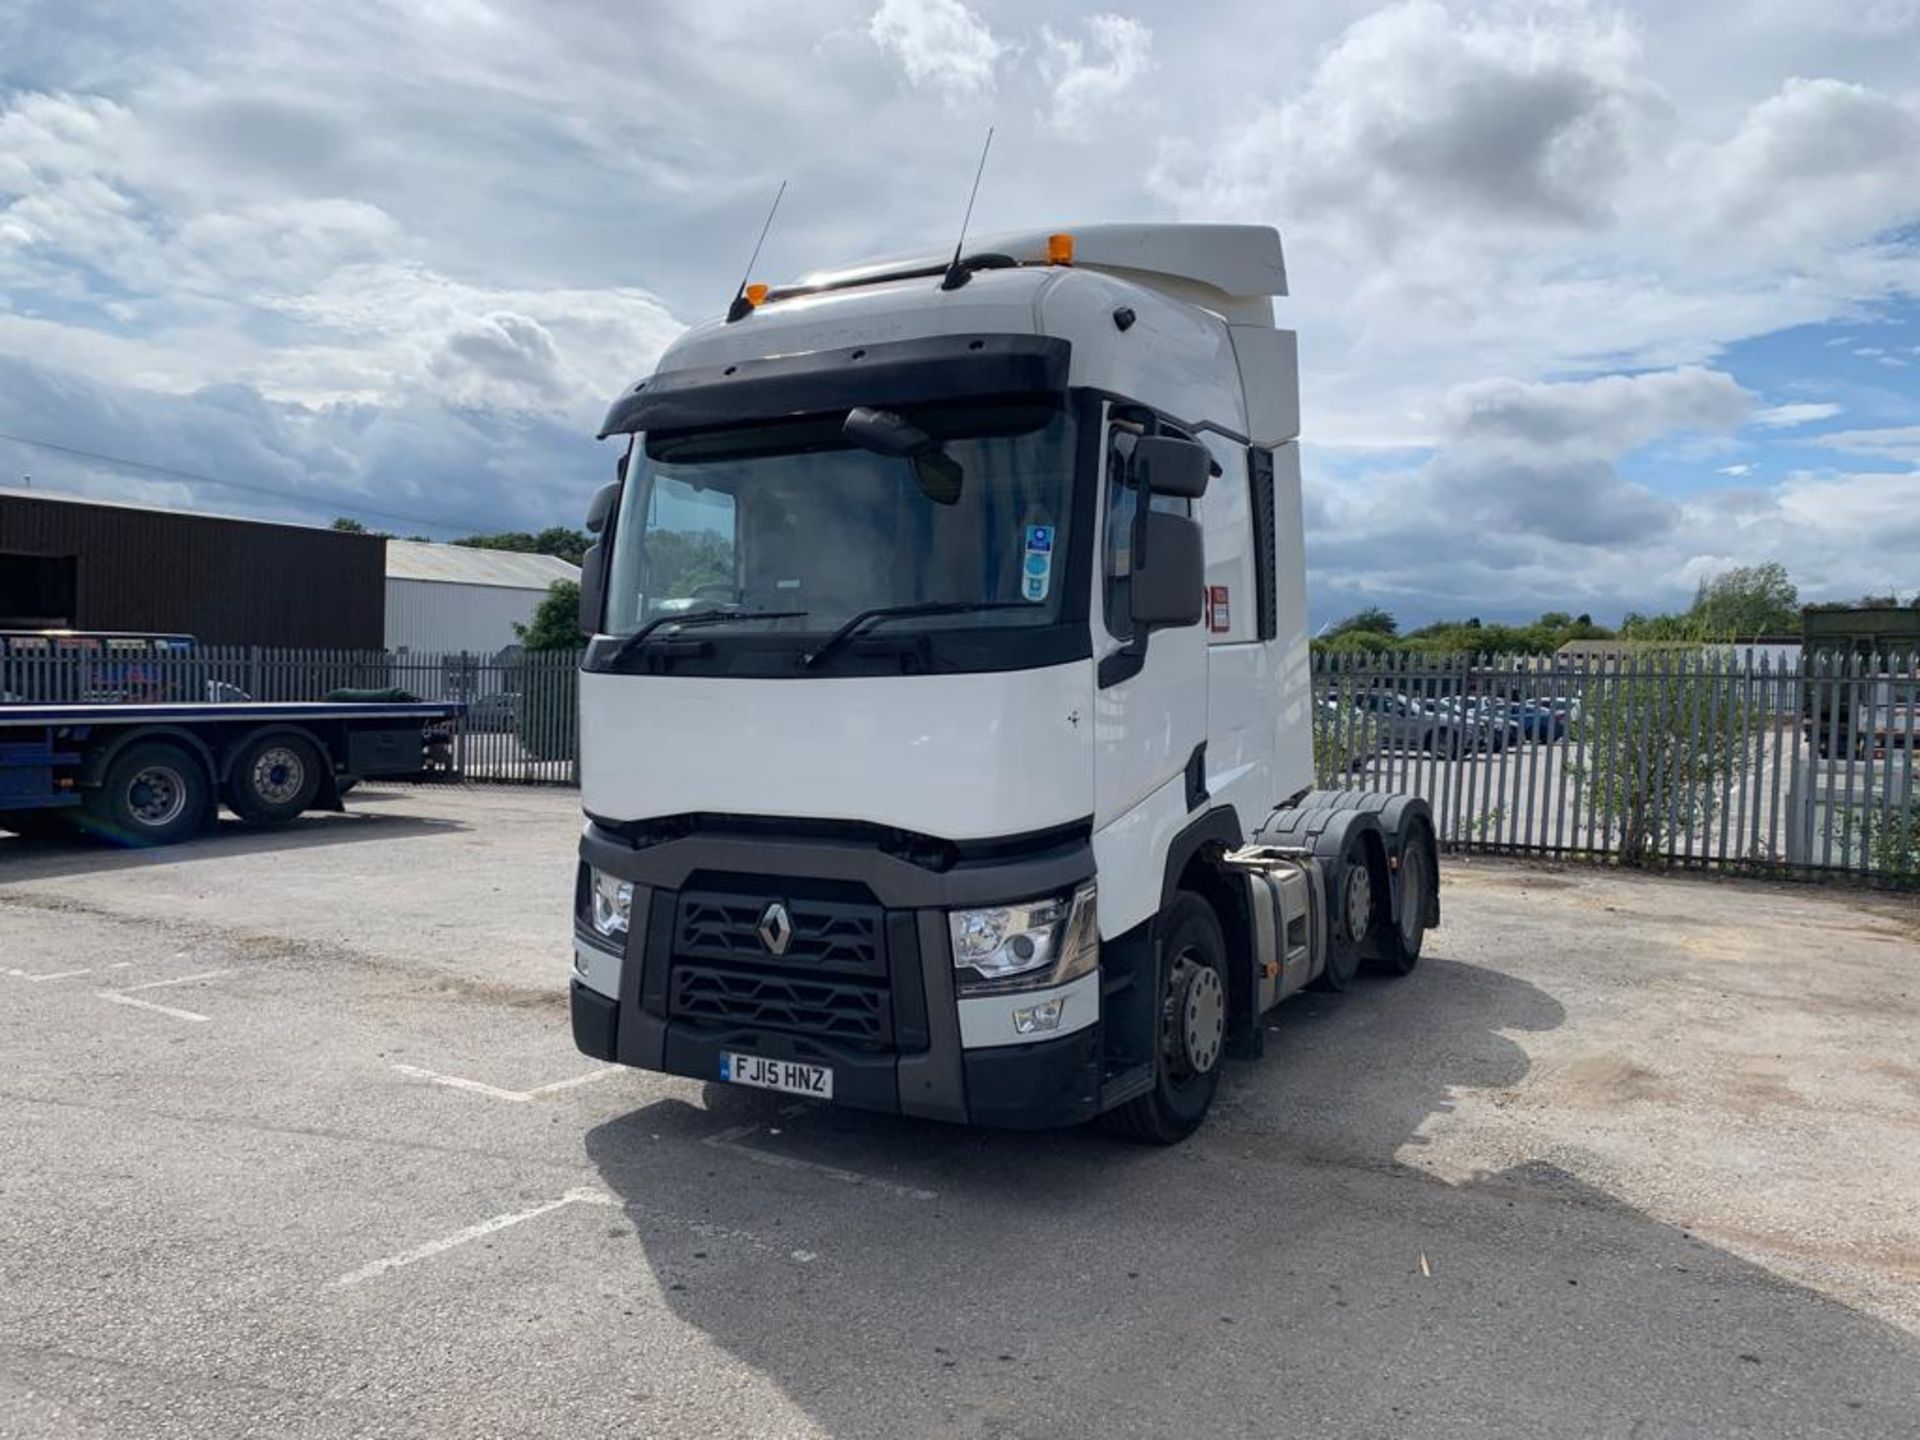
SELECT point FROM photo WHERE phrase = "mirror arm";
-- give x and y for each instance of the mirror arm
(1119, 666)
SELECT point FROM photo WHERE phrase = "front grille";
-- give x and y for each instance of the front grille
(828, 937)
(837, 1010)
(831, 981)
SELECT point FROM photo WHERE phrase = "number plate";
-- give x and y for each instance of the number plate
(788, 1076)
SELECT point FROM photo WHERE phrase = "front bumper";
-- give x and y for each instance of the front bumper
(930, 1054)
(1037, 1086)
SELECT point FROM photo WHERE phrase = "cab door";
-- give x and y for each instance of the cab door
(1150, 696)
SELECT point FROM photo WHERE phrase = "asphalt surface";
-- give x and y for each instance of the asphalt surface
(296, 1143)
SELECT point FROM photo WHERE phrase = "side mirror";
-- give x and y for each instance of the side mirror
(593, 565)
(1168, 589)
(1167, 465)
(606, 500)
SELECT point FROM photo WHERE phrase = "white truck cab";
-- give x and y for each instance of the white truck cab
(946, 726)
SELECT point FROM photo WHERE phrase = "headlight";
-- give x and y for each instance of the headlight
(1021, 947)
(610, 903)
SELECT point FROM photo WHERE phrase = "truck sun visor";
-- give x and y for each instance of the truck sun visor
(898, 372)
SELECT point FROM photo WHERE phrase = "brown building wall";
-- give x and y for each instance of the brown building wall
(225, 582)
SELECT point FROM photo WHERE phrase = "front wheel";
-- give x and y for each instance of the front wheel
(1192, 1027)
(154, 793)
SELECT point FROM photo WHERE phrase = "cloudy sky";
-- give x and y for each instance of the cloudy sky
(1592, 300)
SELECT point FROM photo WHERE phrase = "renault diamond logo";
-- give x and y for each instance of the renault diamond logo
(776, 928)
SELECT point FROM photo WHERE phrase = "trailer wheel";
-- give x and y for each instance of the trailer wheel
(1400, 940)
(154, 793)
(1192, 1028)
(274, 780)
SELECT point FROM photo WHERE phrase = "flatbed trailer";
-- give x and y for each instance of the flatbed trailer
(153, 774)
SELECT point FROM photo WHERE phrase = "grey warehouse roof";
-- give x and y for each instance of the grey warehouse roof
(462, 565)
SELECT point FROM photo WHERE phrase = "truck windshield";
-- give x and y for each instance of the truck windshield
(790, 529)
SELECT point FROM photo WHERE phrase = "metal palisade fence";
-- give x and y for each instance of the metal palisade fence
(1701, 757)
(1686, 757)
(522, 707)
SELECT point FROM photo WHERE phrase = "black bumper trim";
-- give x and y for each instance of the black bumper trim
(1043, 1086)
(596, 1023)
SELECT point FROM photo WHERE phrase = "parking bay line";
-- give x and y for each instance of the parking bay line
(119, 999)
(124, 997)
(495, 1092)
(586, 1195)
(176, 980)
(55, 975)
(729, 1141)
(470, 1233)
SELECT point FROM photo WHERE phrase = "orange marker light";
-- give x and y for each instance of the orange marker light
(1060, 249)
(756, 294)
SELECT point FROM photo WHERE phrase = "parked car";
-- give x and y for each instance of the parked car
(495, 713)
(1441, 727)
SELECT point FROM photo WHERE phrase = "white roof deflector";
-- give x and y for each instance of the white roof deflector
(1237, 261)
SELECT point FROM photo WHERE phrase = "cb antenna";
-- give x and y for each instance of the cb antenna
(742, 306)
(957, 274)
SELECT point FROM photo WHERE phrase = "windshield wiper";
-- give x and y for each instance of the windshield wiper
(693, 617)
(878, 613)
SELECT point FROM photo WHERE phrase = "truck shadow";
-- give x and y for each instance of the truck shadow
(1283, 1272)
(51, 859)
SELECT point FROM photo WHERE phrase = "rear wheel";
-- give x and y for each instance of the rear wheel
(154, 793)
(1192, 1027)
(1401, 939)
(274, 779)
(1354, 916)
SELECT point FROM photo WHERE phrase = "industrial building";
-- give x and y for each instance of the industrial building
(74, 563)
(446, 599)
(67, 562)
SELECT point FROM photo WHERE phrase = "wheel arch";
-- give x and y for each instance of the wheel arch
(231, 747)
(1193, 865)
(100, 758)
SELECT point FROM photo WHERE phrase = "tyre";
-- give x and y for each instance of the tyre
(1192, 975)
(154, 793)
(1355, 916)
(274, 779)
(1399, 941)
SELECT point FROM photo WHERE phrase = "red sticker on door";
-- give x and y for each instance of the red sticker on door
(1219, 612)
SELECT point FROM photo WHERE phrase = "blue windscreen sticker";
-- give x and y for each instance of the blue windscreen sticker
(1036, 568)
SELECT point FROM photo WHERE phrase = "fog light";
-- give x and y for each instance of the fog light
(1033, 1019)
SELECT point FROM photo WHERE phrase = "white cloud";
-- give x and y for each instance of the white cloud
(1821, 161)
(414, 248)
(1781, 417)
(1600, 418)
(1900, 442)
(1091, 77)
(939, 44)
(1737, 470)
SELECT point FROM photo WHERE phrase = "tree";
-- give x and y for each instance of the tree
(556, 623)
(1656, 773)
(1748, 600)
(1373, 620)
(558, 540)
(1879, 602)
(347, 525)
